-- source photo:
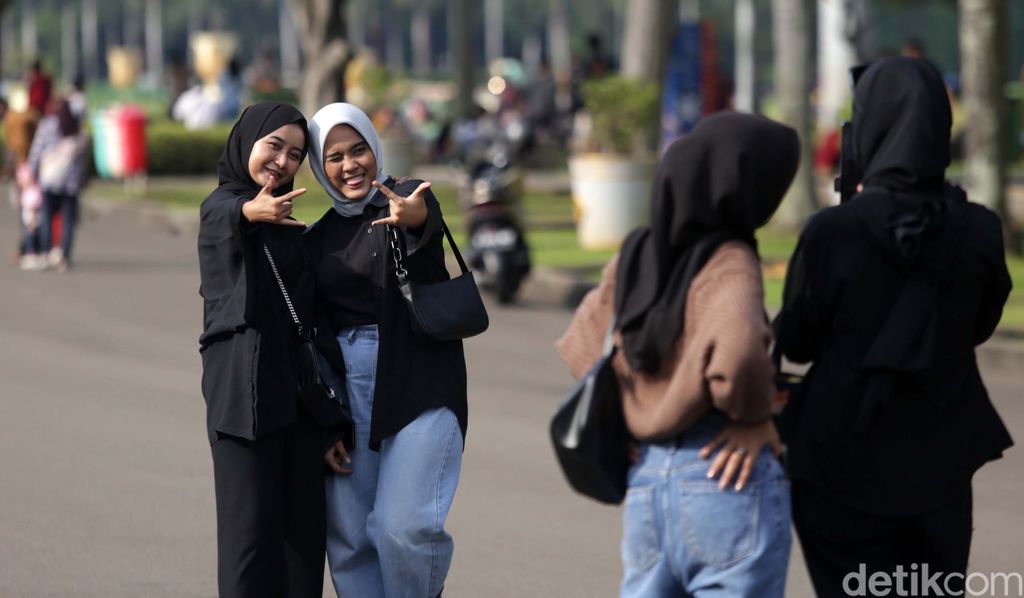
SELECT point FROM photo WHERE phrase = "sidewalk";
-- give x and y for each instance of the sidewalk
(546, 288)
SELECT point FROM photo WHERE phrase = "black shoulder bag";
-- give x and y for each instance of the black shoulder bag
(444, 311)
(589, 432)
(309, 385)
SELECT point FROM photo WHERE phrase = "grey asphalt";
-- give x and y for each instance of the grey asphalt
(105, 472)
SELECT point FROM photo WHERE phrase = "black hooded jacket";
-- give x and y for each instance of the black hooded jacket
(888, 295)
(247, 329)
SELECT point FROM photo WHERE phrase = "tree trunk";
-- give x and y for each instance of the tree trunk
(792, 73)
(745, 98)
(322, 29)
(836, 55)
(90, 40)
(559, 53)
(29, 36)
(645, 45)
(460, 36)
(494, 44)
(154, 37)
(422, 62)
(68, 41)
(983, 51)
(288, 43)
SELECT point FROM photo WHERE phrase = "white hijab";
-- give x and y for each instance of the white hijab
(328, 117)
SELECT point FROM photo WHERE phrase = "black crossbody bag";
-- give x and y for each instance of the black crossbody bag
(309, 385)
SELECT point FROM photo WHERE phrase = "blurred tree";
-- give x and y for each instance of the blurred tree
(983, 50)
(323, 32)
(645, 44)
(793, 70)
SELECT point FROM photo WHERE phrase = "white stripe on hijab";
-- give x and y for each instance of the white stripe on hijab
(328, 117)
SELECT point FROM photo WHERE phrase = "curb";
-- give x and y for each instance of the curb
(552, 288)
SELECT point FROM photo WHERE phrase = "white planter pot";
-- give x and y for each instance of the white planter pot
(399, 156)
(612, 196)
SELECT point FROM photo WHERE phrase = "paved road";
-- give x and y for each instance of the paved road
(105, 474)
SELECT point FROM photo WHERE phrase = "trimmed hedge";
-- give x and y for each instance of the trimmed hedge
(171, 149)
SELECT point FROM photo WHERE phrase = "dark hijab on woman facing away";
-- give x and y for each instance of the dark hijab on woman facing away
(737, 170)
(888, 294)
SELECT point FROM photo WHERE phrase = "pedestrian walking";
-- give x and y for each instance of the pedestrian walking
(385, 534)
(268, 447)
(694, 370)
(888, 295)
(57, 163)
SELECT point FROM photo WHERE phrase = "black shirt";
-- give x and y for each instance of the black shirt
(414, 374)
(247, 381)
(349, 270)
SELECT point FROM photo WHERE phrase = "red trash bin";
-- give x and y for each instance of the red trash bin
(132, 123)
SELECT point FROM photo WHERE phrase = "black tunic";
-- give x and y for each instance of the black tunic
(247, 374)
(414, 374)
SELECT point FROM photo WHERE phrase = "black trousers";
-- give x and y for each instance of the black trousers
(271, 527)
(838, 541)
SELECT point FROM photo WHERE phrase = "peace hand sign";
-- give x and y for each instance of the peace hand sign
(267, 208)
(406, 212)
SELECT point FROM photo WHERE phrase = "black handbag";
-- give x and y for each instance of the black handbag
(443, 311)
(309, 384)
(589, 432)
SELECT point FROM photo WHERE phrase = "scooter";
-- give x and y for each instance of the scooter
(490, 191)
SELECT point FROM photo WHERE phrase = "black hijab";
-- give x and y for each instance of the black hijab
(901, 127)
(256, 122)
(901, 123)
(718, 183)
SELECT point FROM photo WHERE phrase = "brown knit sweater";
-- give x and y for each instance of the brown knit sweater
(721, 360)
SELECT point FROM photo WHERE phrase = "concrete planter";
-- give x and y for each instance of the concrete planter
(399, 155)
(611, 195)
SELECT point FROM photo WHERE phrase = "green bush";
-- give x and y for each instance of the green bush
(172, 149)
(623, 111)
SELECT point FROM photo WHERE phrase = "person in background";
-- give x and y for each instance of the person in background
(40, 88)
(76, 98)
(57, 163)
(888, 295)
(19, 127)
(685, 296)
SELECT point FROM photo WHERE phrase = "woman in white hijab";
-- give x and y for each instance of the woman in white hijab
(407, 394)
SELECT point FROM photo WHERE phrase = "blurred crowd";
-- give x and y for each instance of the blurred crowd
(45, 152)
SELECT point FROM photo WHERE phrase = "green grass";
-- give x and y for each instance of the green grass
(550, 233)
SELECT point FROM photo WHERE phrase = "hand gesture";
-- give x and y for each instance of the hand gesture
(338, 460)
(406, 212)
(741, 444)
(267, 208)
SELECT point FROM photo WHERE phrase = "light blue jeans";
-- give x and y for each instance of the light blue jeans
(682, 536)
(385, 521)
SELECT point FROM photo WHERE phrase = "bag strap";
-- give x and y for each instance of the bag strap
(284, 291)
(609, 339)
(396, 251)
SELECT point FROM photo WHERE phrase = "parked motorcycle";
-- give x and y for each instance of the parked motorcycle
(490, 191)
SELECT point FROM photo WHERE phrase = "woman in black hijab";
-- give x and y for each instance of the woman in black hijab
(268, 455)
(888, 295)
(695, 373)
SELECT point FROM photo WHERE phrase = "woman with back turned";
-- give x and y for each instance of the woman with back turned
(889, 294)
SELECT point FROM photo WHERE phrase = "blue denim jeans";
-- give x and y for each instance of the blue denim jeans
(682, 536)
(385, 521)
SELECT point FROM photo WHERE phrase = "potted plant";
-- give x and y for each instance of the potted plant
(612, 169)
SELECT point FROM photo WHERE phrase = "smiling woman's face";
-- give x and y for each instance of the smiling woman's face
(349, 163)
(277, 155)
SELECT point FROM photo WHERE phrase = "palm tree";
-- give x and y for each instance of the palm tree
(645, 44)
(983, 52)
(792, 89)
